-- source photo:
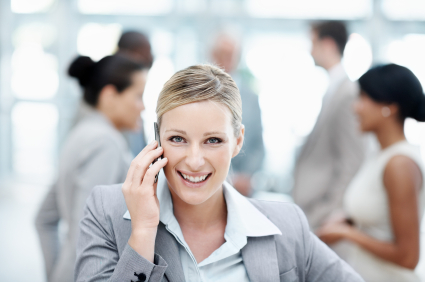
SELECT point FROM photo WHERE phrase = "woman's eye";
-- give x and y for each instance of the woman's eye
(177, 139)
(213, 141)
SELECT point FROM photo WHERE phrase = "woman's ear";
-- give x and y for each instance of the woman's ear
(107, 95)
(394, 109)
(239, 141)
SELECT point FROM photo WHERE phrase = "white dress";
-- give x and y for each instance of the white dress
(366, 203)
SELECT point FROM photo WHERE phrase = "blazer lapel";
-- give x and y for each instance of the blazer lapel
(260, 259)
(166, 246)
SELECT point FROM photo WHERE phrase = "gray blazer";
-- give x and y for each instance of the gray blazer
(95, 153)
(104, 255)
(251, 157)
(330, 157)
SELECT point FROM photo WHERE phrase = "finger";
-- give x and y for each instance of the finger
(147, 149)
(154, 170)
(142, 165)
(133, 165)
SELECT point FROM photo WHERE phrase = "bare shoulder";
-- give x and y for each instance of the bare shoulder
(402, 171)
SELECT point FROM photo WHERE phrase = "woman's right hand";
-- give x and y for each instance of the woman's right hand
(140, 196)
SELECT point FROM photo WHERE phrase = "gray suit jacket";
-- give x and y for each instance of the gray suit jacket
(250, 158)
(95, 153)
(330, 157)
(104, 255)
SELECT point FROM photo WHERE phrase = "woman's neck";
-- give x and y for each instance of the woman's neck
(390, 133)
(109, 116)
(209, 214)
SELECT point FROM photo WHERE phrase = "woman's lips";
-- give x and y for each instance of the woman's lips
(194, 180)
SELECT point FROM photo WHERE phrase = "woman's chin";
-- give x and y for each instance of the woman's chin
(193, 198)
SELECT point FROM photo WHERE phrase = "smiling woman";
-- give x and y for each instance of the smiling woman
(197, 227)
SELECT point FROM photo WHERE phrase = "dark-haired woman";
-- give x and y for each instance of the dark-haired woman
(385, 201)
(94, 153)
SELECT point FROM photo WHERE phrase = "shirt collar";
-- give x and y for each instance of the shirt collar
(243, 217)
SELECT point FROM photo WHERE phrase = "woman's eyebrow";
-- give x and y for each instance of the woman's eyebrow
(177, 130)
(213, 133)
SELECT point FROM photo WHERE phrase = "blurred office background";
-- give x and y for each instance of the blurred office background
(38, 102)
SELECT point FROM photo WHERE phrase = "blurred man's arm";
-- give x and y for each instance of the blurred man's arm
(47, 222)
(349, 154)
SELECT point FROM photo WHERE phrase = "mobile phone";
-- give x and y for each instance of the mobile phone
(156, 128)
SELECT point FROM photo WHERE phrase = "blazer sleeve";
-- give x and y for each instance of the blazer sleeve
(103, 166)
(321, 263)
(97, 254)
(349, 151)
(47, 225)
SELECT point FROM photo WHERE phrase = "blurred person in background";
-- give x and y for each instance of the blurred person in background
(385, 200)
(226, 54)
(135, 46)
(94, 153)
(334, 150)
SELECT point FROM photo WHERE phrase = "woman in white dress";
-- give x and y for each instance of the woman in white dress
(385, 201)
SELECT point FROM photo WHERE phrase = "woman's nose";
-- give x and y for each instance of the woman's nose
(195, 158)
(141, 106)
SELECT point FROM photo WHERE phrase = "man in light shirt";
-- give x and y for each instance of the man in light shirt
(334, 150)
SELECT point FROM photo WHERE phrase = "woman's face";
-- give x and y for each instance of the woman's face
(129, 104)
(199, 142)
(369, 113)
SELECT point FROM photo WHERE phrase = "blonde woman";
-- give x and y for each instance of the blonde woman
(197, 227)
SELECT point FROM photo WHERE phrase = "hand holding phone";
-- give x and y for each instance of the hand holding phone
(156, 128)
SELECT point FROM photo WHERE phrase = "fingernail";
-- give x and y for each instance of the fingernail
(153, 142)
(159, 148)
(165, 159)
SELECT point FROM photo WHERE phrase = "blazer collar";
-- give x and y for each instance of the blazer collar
(244, 217)
(260, 259)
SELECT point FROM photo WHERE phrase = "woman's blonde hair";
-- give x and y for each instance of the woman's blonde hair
(201, 83)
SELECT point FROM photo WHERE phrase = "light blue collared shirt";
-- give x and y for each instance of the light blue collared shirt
(224, 264)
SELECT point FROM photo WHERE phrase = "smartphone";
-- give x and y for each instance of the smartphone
(156, 128)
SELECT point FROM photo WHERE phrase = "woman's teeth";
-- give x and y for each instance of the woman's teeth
(195, 179)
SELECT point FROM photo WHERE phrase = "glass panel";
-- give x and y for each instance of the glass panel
(35, 32)
(126, 7)
(98, 40)
(357, 56)
(34, 73)
(310, 9)
(34, 127)
(409, 10)
(193, 6)
(409, 52)
(225, 7)
(30, 6)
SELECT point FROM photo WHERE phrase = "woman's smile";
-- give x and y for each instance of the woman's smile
(194, 180)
